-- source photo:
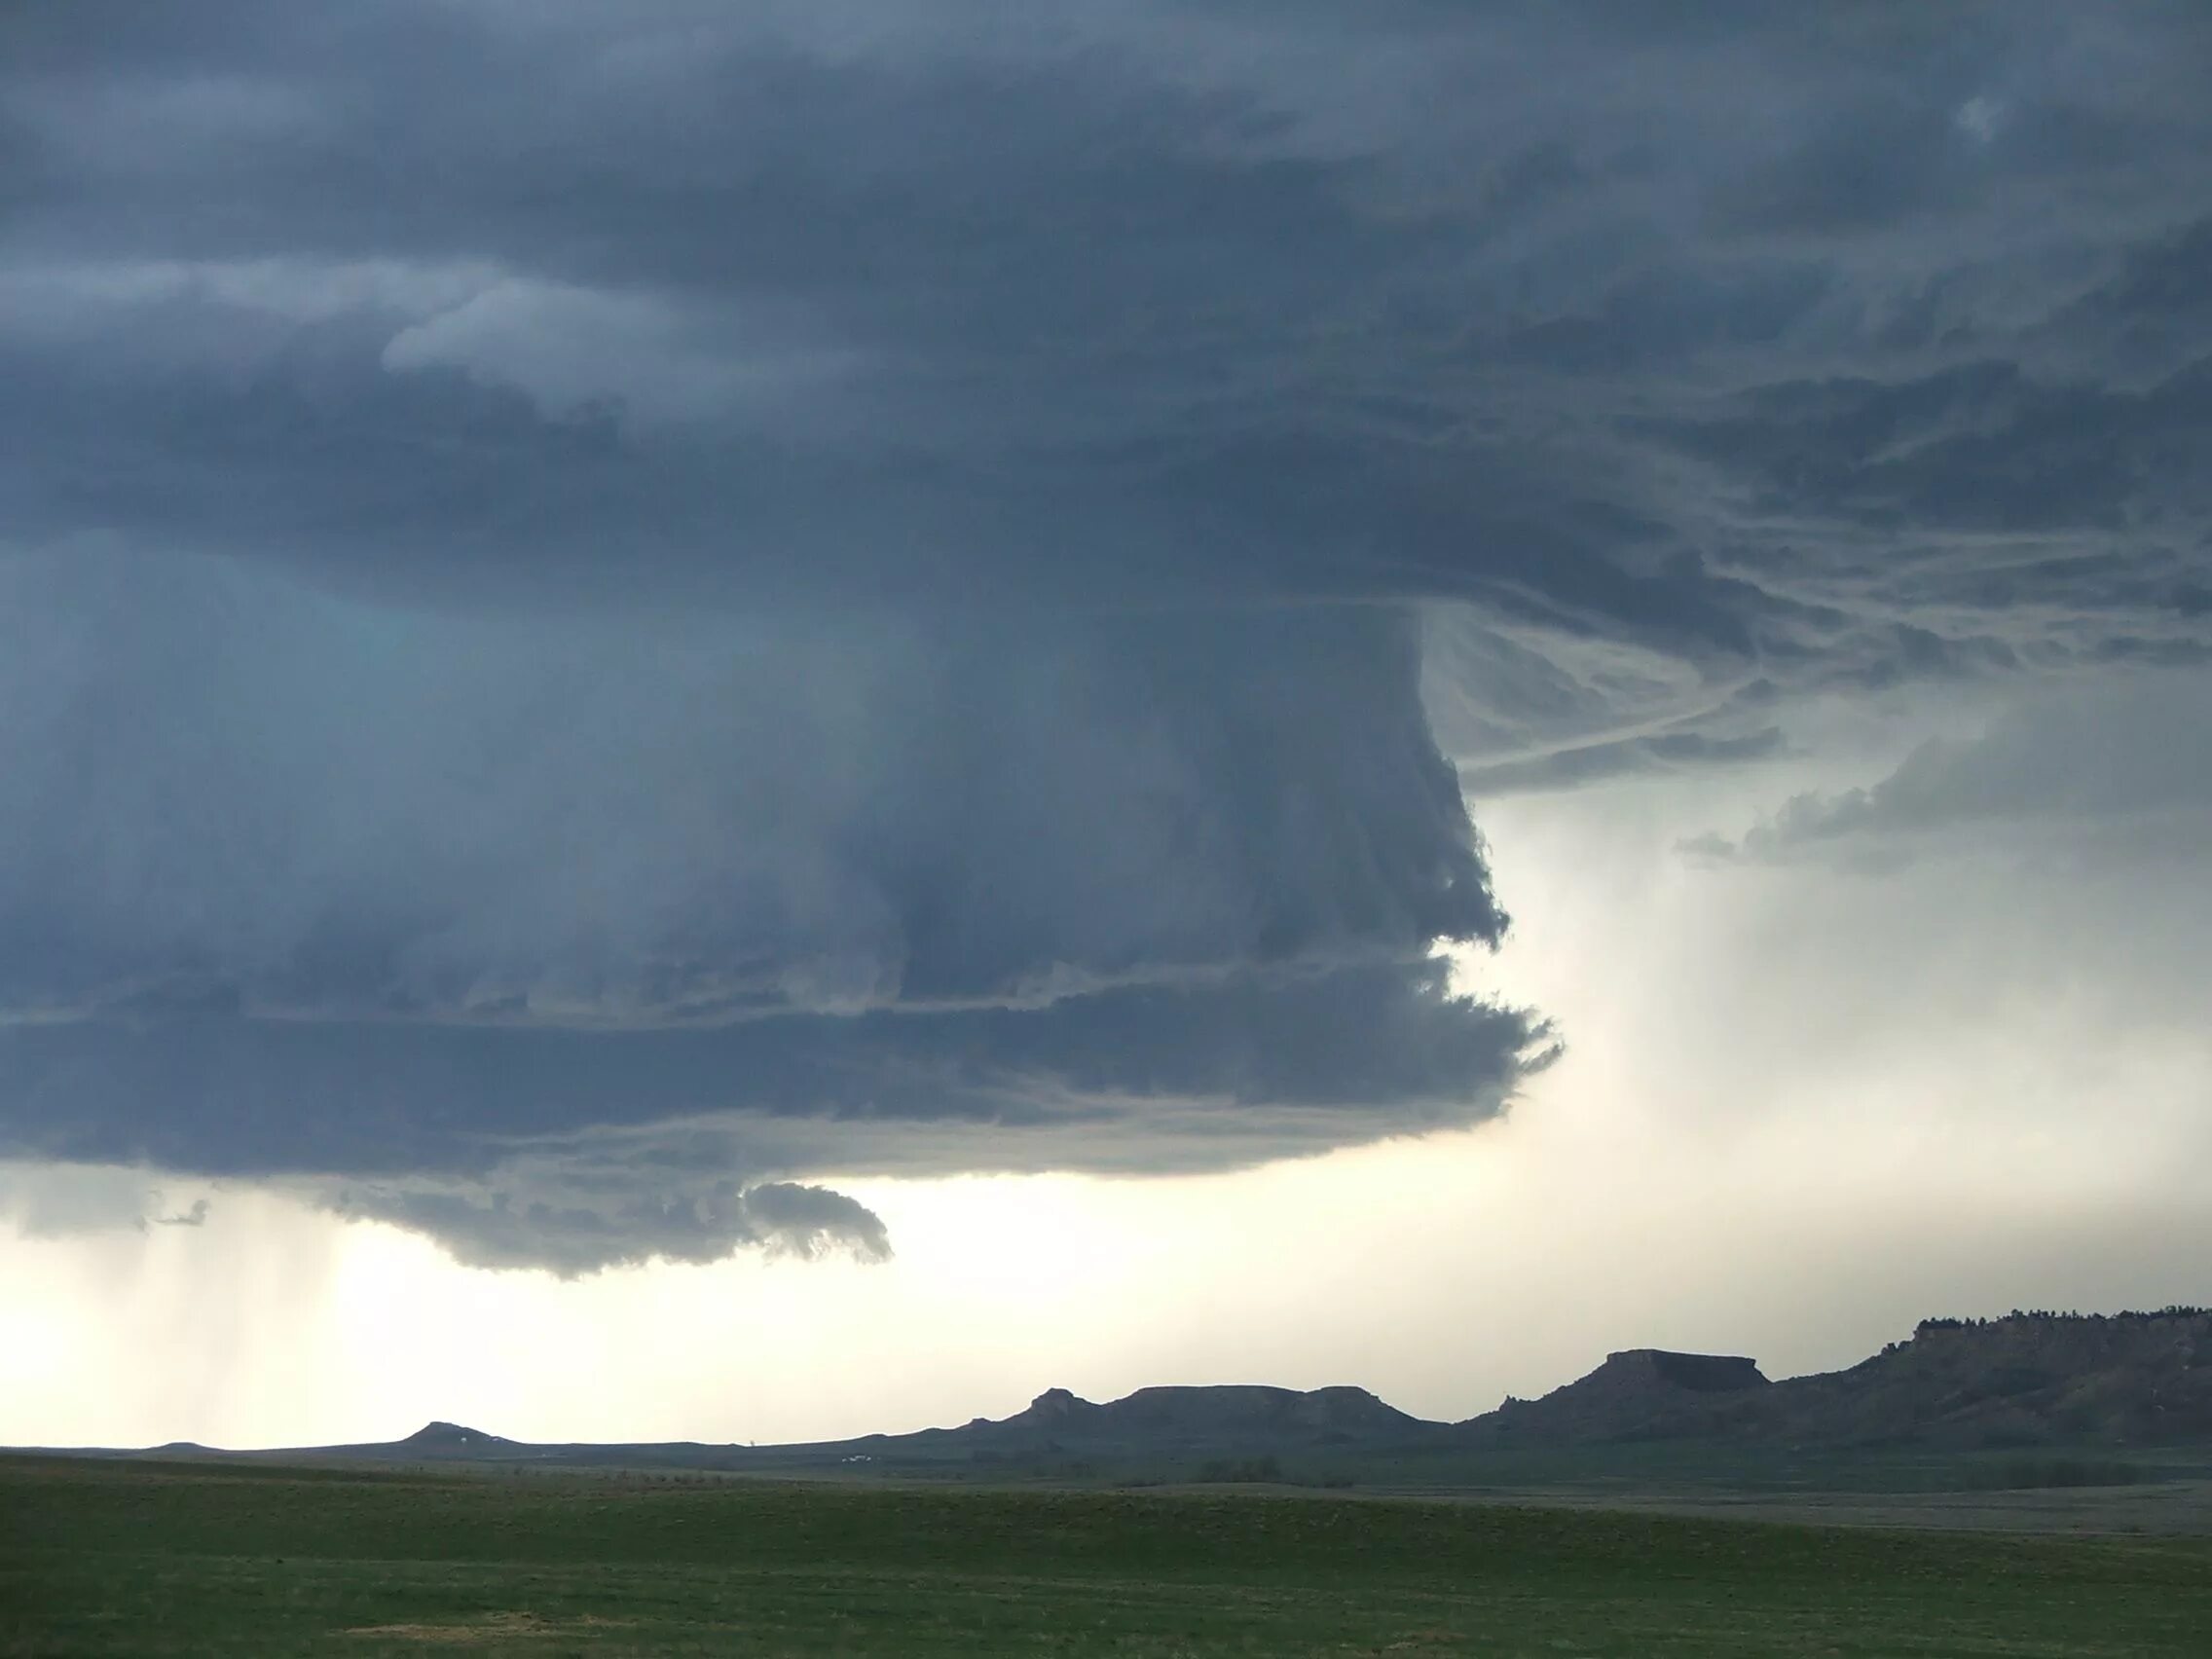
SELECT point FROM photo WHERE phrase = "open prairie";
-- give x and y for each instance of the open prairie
(168, 1559)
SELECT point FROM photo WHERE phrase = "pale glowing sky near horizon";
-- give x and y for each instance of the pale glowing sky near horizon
(766, 722)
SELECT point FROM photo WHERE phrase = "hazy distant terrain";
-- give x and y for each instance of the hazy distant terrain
(2031, 1401)
(2024, 1381)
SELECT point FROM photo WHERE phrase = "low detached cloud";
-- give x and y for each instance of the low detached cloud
(2122, 771)
(610, 608)
(574, 1230)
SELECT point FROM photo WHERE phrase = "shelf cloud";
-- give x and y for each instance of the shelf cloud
(610, 612)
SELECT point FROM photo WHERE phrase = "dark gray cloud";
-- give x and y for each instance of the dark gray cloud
(904, 590)
(643, 1141)
(242, 1096)
(233, 791)
(1189, 302)
(616, 1222)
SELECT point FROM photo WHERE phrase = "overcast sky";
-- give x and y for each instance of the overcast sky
(748, 722)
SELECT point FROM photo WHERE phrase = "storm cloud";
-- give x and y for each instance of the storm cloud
(606, 611)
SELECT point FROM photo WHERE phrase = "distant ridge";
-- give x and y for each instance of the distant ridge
(1222, 1415)
(1637, 1393)
(2125, 1379)
(2025, 1379)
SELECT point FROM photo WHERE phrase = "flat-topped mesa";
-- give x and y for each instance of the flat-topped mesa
(1705, 1373)
(1637, 1393)
(1254, 1405)
(1227, 1413)
(1658, 1376)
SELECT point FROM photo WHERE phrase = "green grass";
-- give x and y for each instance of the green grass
(1644, 1468)
(171, 1559)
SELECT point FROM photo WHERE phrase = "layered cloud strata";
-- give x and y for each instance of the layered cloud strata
(607, 608)
(301, 885)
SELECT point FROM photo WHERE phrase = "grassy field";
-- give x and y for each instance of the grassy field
(168, 1559)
